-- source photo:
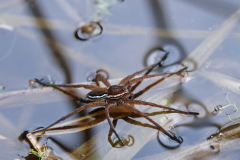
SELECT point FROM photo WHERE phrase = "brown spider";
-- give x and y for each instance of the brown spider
(118, 95)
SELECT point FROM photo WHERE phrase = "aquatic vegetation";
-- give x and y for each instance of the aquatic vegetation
(40, 154)
(220, 107)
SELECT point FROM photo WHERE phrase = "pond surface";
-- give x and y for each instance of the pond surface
(39, 39)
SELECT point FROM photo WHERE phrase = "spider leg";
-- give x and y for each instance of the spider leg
(90, 105)
(125, 80)
(131, 101)
(85, 100)
(109, 121)
(104, 80)
(134, 110)
(135, 80)
(91, 87)
(67, 93)
(114, 122)
(160, 64)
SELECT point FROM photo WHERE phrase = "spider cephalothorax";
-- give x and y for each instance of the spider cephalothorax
(121, 95)
(116, 91)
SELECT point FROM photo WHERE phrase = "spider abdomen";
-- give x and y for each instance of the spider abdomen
(98, 93)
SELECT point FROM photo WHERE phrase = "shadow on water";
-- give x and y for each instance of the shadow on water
(165, 43)
(204, 119)
(49, 38)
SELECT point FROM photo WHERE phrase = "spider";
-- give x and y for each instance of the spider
(118, 95)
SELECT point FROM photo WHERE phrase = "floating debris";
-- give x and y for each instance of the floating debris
(93, 27)
(2, 87)
(31, 82)
(103, 6)
(88, 30)
(228, 130)
(50, 80)
(41, 150)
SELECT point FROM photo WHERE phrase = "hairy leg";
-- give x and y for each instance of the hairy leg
(104, 80)
(125, 80)
(114, 122)
(74, 96)
(135, 80)
(160, 64)
(173, 137)
(131, 101)
(109, 120)
(91, 87)
(90, 105)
